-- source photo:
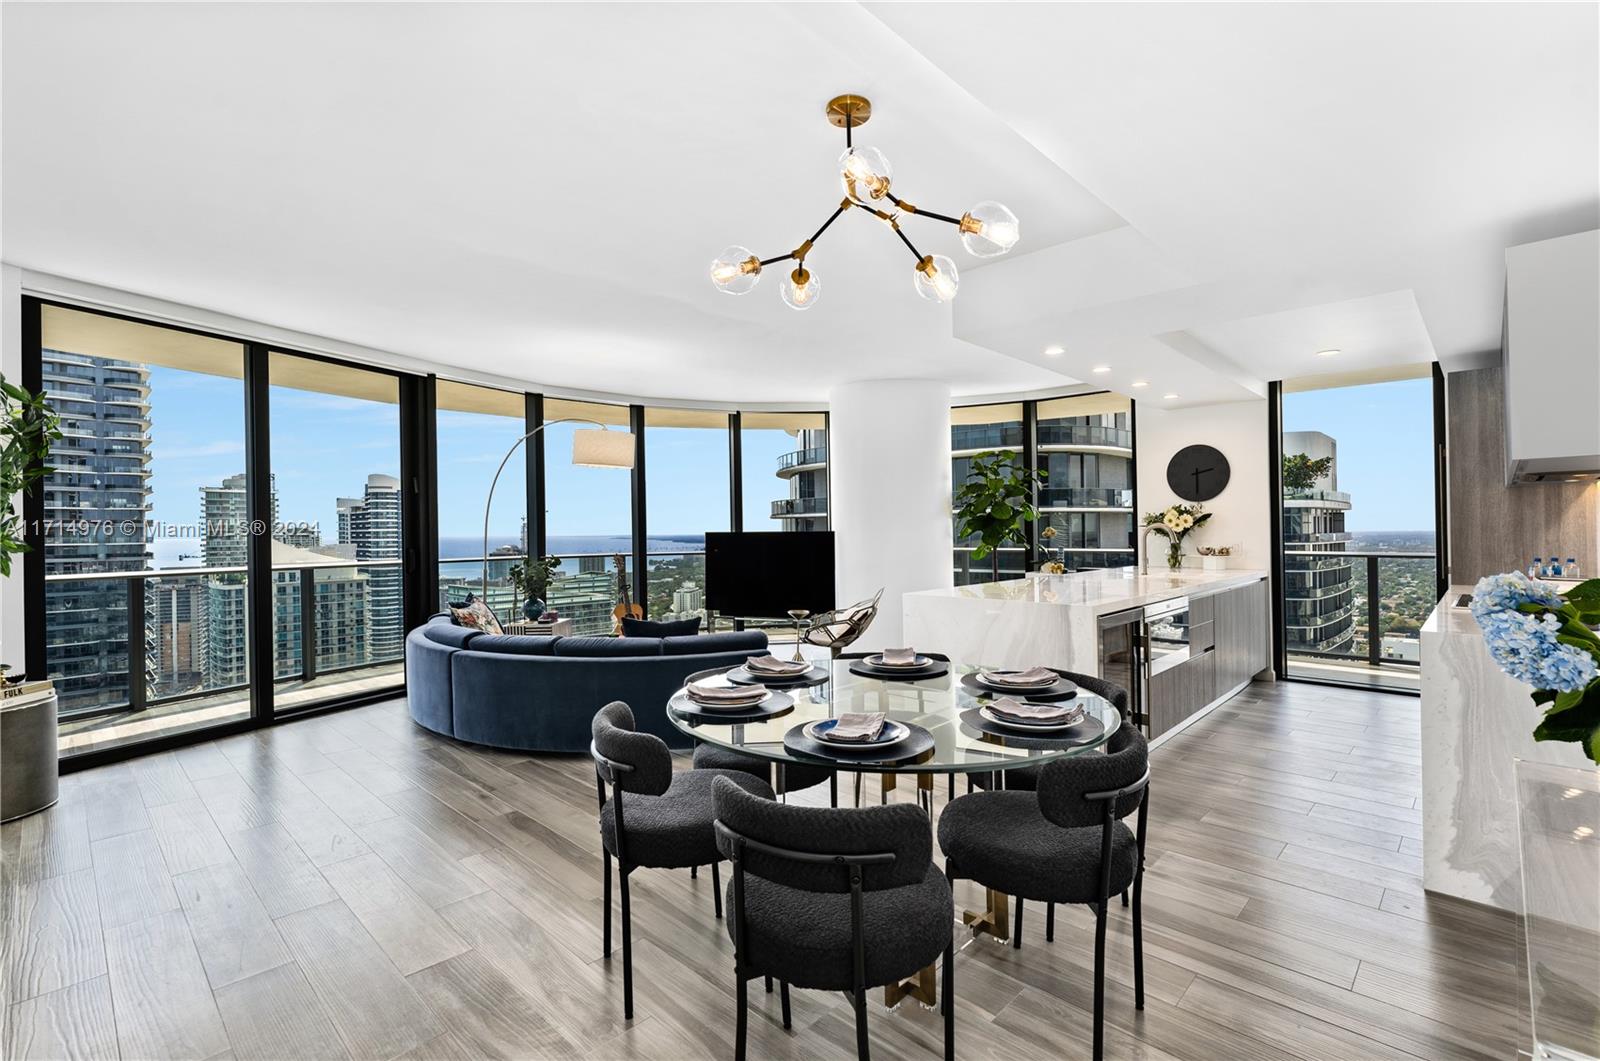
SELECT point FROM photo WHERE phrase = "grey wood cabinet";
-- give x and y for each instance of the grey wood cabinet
(1232, 624)
(1240, 632)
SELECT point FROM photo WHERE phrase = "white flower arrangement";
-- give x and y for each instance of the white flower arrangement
(1176, 522)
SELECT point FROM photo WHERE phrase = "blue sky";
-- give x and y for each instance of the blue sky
(1385, 436)
(324, 446)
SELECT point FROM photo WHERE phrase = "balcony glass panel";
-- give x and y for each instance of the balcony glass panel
(588, 511)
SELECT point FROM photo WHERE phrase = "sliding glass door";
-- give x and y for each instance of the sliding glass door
(143, 601)
(1357, 512)
(338, 588)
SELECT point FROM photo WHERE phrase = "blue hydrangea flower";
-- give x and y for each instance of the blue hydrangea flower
(1495, 593)
(1525, 647)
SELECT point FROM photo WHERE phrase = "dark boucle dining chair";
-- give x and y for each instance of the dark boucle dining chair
(666, 821)
(1064, 843)
(833, 899)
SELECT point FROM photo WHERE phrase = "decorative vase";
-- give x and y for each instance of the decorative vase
(1175, 554)
(533, 609)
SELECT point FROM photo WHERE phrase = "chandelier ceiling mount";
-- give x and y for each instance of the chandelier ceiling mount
(987, 230)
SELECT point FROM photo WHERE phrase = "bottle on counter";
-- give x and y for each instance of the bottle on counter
(1572, 567)
(1554, 569)
(1536, 569)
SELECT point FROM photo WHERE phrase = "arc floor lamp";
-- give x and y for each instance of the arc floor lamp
(593, 447)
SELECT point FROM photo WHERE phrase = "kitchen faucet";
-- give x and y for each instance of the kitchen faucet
(1144, 550)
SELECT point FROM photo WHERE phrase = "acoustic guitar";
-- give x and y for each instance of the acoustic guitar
(626, 609)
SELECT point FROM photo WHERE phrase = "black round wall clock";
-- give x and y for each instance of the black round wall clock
(1197, 473)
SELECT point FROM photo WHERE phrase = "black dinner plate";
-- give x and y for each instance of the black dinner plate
(1088, 731)
(1063, 689)
(934, 669)
(742, 675)
(774, 706)
(918, 747)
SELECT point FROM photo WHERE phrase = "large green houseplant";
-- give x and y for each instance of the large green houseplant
(995, 502)
(28, 427)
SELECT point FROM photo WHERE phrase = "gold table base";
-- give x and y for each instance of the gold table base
(923, 987)
(995, 921)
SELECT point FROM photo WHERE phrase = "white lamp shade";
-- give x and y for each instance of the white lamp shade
(596, 447)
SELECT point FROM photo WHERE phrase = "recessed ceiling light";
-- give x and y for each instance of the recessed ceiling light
(1332, 351)
(1055, 351)
(1169, 397)
(1140, 383)
(1101, 368)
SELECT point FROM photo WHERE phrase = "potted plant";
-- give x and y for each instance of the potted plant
(28, 427)
(531, 579)
(995, 502)
(1547, 640)
(1175, 523)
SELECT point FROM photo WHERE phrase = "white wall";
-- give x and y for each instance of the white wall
(1243, 511)
(889, 494)
(11, 614)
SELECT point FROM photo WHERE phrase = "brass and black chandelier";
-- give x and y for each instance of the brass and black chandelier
(987, 230)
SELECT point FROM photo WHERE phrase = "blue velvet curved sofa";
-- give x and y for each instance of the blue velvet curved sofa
(540, 693)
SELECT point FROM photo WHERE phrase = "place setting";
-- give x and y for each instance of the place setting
(899, 664)
(707, 700)
(770, 670)
(1035, 683)
(867, 736)
(1049, 723)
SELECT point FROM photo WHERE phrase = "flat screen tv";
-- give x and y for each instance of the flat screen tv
(763, 574)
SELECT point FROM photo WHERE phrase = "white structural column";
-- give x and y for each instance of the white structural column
(889, 494)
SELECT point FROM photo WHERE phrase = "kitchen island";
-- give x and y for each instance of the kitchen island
(1092, 622)
(1477, 721)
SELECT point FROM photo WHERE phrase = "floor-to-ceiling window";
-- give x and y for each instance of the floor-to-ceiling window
(687, 454)
(588, 520)
(337, 579)
(142, 606)
(784, 471)
(976, 429)
(474, 428)
(1357, 519)
(1086, 452)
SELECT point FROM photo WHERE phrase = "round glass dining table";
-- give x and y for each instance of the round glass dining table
(934, 704)
(937, 705)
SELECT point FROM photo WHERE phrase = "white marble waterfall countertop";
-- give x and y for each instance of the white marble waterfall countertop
(1045, 619)
(1476, 722)
(1099, 592)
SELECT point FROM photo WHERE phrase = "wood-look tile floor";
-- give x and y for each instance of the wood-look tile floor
(353, 886)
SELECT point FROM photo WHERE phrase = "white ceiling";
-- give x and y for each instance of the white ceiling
(1209, 194)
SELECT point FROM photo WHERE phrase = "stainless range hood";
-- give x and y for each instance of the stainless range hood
(1552, 360)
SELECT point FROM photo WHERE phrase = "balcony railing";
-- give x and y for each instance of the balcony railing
(799, 506)
(1084, 435)
(1391, 609)
(802, 458)
(1335, 496)
(1095, 497)
(194, 637)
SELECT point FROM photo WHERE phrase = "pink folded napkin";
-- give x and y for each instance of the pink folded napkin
(773, 665)
(1033, 676)
(899, 657)
(1018, 711)
(726, 694)
(857, 728)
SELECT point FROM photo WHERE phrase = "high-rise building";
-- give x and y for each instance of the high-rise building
(1086, 452)
(342, 626)
(224, 508)
(806, 470)
(371, 523)
(1318, 581)
(95, 504)
(175, 635)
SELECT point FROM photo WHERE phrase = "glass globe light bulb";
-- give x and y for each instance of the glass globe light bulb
(735, 270)
(936, 278)
(800, 288)
(989, 229)
(865, 174)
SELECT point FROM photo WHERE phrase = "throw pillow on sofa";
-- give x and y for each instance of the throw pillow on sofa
(646, 628)
(477, 615)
